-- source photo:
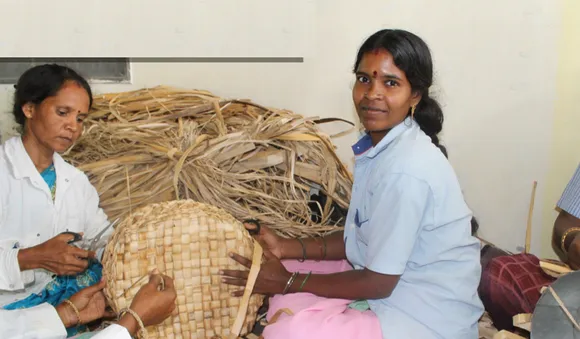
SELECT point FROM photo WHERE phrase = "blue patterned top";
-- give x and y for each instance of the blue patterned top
(49, 176)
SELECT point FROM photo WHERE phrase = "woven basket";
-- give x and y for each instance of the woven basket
(190, 242)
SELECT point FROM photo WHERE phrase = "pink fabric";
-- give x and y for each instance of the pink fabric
(317, 317)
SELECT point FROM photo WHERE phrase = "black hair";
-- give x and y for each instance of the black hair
(411, 55)
(474, 226)
(41, 82)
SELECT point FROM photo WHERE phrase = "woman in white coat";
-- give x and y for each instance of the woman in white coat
(41, 195)
(150, 306)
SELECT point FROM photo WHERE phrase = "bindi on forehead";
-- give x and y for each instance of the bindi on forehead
(375, 74)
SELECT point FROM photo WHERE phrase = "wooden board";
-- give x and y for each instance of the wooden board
(503, 334)
(523, 321)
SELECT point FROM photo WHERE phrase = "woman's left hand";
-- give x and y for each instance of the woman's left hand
(272, 278)
(90, 303)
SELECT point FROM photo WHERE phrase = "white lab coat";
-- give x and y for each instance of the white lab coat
(28, 216)
(43, 322)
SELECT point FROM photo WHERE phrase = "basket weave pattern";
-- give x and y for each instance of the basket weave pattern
(190, 242)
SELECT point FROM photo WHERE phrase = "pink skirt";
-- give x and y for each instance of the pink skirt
(304, 315)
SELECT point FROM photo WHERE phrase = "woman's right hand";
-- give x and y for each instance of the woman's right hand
(55, 255)
(269, 240)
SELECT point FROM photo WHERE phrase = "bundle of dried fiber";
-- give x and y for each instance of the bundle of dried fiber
(162, 144)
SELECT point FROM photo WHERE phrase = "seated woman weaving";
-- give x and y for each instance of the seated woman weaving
(42, 196)
(407, 235)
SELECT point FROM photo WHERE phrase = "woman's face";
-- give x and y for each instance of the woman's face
(382, 94)
(57, 122)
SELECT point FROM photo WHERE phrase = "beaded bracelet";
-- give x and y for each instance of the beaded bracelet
(142, 331)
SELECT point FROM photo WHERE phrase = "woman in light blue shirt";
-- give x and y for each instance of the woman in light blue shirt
(408, 233)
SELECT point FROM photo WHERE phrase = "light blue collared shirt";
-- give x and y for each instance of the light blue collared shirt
(408, 217)
(570, 200)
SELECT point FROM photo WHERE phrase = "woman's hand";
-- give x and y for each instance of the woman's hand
(331, 247)
(90, 303)
(272, 278)
(151, 303)
(55, 255)
(269, 240)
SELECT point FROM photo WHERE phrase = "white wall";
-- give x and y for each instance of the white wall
(495, 63)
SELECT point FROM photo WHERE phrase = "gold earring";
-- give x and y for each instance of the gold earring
(413, 111)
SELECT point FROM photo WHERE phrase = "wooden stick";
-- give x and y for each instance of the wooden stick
(555, 267)
(564, 308)
(245, 302)
(530, 214)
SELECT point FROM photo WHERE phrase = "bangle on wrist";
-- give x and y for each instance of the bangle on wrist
(304, 281)
(141, 332)
(303, 250)
(290, 282)
(75, 309)
(321, 250)
(565, 235)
